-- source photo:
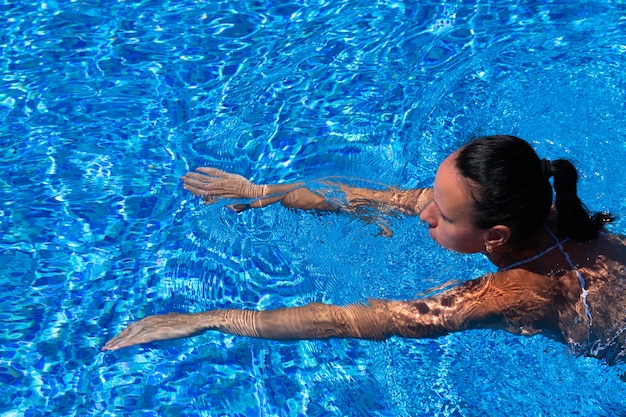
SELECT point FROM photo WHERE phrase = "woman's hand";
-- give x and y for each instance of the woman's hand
(211, 183)
(151, 328)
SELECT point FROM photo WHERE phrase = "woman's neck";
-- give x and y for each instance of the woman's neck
(513, 255)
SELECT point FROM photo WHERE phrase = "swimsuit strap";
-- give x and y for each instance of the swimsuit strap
(559, 245)
(583, 284)
(532, 258)
(540, 254)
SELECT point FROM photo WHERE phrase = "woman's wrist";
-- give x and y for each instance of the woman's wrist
(260, 190)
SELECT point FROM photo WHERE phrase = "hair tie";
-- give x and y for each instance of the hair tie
(546, 168)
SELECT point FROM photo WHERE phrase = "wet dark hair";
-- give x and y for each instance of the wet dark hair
(511, 186)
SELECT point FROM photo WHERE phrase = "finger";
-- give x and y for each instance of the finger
(198, 182)
(238, 208)
(119, 343)
(113, 344)
(193, 190)
(212, 171)
(116, 343)
(132, 335)
(203, 193)
(197, 177)
(205, 189)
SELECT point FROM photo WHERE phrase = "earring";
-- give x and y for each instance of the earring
(488, 249)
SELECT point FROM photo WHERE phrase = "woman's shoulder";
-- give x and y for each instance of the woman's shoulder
(602, 260)
(609, 244)
(613, 238)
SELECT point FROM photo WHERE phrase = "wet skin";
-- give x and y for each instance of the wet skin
(543, 295)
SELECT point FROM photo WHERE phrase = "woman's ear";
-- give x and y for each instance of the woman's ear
(497, 236)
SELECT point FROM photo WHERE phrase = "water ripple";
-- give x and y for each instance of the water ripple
(105, 104)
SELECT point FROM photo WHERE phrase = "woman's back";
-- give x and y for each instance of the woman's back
(589, 292)
(602, 267)
(573, 290)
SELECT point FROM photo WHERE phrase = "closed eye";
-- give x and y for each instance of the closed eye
(446, 219)
(443, 216)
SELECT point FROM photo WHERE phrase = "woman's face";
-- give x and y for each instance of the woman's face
(450, 216)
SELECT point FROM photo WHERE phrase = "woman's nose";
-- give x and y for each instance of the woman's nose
(427, 215)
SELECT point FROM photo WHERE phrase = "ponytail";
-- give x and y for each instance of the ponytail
(511, 186)
(574, 218)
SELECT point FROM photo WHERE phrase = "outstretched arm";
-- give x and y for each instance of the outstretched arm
(313, 321)
(210, 184)
(491, 301)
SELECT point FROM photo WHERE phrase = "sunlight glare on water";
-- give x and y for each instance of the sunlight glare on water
(106, 104)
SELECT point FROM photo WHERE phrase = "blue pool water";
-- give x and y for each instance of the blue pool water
(104, 104)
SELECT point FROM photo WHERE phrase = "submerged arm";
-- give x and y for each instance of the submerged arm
(211, 183)
(485, 302)
(313, 321)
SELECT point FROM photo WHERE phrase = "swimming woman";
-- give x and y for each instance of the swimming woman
(560, 273)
